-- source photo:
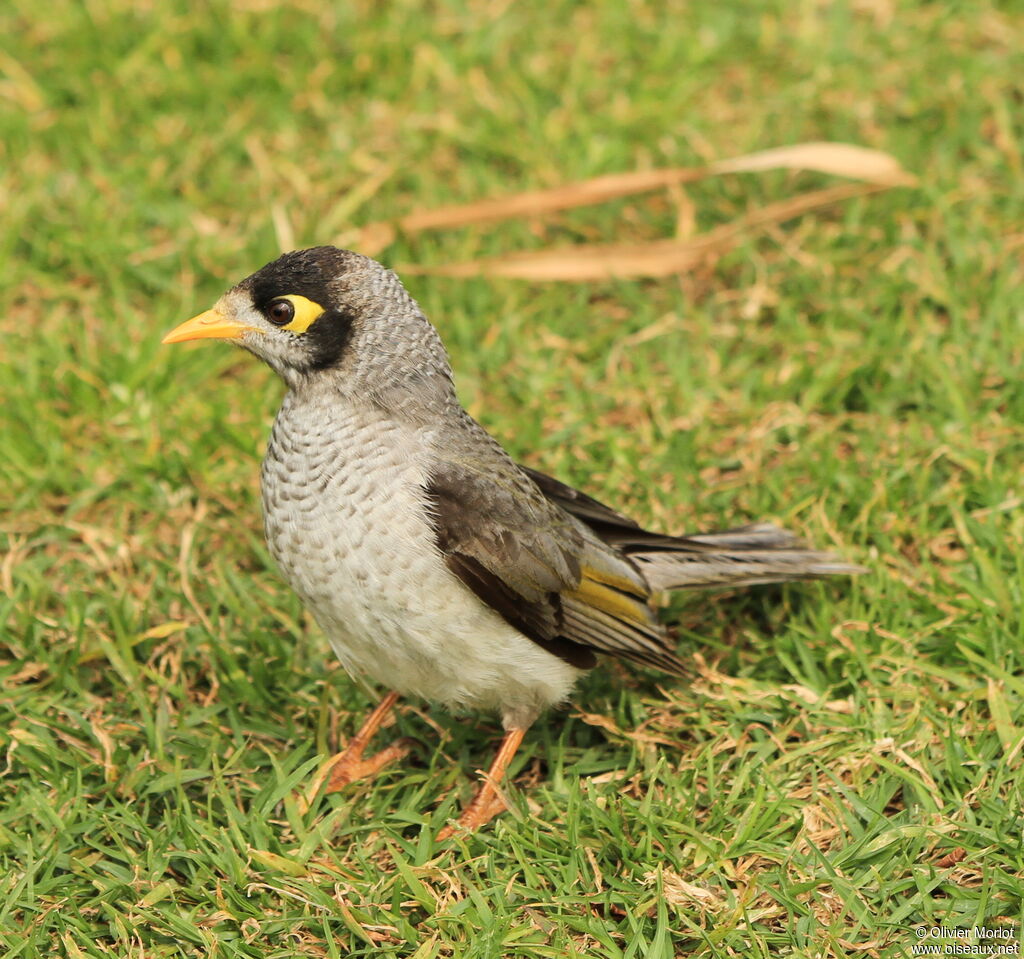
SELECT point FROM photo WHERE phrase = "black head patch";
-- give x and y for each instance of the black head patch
(312, 274)
(309, 273)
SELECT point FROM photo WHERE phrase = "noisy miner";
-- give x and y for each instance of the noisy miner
(434, 563)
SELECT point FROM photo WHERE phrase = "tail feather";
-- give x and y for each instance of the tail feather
(746, 556)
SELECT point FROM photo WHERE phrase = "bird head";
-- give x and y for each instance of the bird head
(326, 312)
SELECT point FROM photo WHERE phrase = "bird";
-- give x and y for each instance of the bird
(434, 563)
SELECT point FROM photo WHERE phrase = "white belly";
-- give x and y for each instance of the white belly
(345, 520)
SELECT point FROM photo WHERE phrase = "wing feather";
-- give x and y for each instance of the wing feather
(542, 555)
(512, 548)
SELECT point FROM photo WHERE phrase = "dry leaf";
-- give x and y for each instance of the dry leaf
(952, 858)
(27, 674)
(839, 159)
(679, 892)
(947, 547)
(536, 202)
(651, 259)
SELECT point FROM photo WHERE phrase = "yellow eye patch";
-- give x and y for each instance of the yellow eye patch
(306, 311)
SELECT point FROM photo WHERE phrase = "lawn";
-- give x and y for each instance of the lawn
(841, 774)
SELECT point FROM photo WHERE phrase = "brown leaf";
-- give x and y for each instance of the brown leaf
(840, 159)
(536, 202)
(679, 892)
(952, 858)
(650, 259)
(27, 674)
(947, 547)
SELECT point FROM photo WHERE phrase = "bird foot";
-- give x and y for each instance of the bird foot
(488, 801)
(484, 806)
(348, 766)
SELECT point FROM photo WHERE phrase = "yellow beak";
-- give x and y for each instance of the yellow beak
(209, 325)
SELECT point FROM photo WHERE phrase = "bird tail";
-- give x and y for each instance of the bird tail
(745, 556)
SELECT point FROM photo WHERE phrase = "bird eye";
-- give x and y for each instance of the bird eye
(281, 312)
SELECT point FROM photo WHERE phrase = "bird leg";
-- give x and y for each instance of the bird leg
(488, 801)
(348, 765)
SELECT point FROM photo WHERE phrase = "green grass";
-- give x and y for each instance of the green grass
(855, 374)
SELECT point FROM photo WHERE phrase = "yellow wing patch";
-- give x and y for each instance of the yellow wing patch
(614, 580)
(610, 600)
(306, 311)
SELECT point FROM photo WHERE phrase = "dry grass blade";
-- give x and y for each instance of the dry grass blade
(839, 159)
(651, 259)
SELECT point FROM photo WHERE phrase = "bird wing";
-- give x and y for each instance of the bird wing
(512, 548)
(594, 513)
(544, 571)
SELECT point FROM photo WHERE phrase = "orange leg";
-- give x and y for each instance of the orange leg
(488, 801)
(348, 765)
